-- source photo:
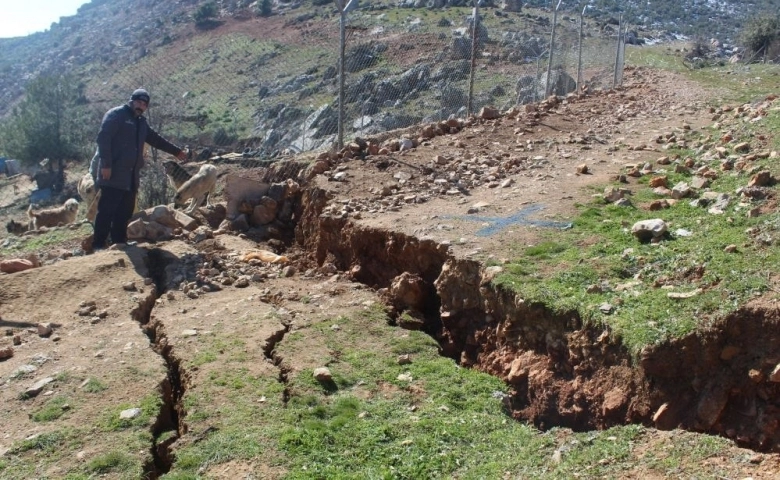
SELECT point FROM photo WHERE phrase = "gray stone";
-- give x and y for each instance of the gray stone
(45, 329)
(37, 387)
(681, 190)
(648, 230)
(288, 271)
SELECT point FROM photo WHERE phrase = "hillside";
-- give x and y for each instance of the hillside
(236, 80)
(425, 299)
(572, 287)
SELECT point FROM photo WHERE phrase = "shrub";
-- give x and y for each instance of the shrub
(154, 188)
(205, 13)
(265, 8)
(760, 33)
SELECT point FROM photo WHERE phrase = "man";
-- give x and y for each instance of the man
(120, 152)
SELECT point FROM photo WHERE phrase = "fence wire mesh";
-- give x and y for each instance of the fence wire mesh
(247, 96)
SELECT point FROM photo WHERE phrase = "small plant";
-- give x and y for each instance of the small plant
(223, 137)
(698, 55)
(45, 441)
(154, 188)
(113, 462)
(94, 385)
(205, 12)
(265, 8)
(150, 408)
(52, 410)
(760, 33)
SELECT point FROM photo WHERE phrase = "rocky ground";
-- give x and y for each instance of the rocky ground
(374, 226)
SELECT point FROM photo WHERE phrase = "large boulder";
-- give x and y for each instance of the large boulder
(649, 230)
(561, 84)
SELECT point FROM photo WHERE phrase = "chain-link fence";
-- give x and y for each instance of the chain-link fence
(259, 89)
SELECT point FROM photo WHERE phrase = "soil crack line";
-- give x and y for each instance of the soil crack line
(269, 350)
(170, 424)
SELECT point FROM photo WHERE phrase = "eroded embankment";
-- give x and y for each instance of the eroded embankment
(170, 424)
(562, 372)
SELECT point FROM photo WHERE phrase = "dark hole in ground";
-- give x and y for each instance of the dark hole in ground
(172, 389)
(560, 372)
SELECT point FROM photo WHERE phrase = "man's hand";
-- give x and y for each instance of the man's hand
(182, 156)
(105, 173)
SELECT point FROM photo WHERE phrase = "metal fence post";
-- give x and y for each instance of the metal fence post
(579, 52)
(473, 57)
(617, 51)
(342, 50)
(552, 50)
(622, 56)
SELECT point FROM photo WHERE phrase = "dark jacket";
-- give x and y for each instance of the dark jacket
(121, 147)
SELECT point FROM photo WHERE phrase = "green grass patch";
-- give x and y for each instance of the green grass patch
(94, 385)
(436, 421)
(403, 437)
(683, 455)
(52, 410)
(46, 442)
(234, 442)
(116, 462)
(735, 83)
(636, 278)
(150, 407)
(244, 417)
(50, 239)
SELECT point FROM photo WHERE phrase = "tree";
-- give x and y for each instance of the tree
(265, 8)
(46, 123)
(205, 13)
(759, 33)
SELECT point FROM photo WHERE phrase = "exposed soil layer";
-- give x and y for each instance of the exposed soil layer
(564, 373)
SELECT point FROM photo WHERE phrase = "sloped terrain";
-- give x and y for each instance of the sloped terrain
(380, 346)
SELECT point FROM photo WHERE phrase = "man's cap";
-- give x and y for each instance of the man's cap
(140, 94)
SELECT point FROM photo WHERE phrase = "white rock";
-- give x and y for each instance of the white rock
(130, 413)
(646, 230)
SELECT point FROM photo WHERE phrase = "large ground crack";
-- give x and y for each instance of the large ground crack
(269, 350)
(560, 371)
(170, 424)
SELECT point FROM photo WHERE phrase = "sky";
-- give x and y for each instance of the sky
(19, 18)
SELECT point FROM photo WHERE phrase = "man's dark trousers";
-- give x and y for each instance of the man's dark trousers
(114, 211)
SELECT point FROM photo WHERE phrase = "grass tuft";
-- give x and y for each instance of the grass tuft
(52, 410)
(94, 385)
(115, 462)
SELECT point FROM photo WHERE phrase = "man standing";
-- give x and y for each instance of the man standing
(121, 139)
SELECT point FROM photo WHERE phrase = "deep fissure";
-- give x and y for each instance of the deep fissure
(172, 388)
(269, 350)
(561, 372)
